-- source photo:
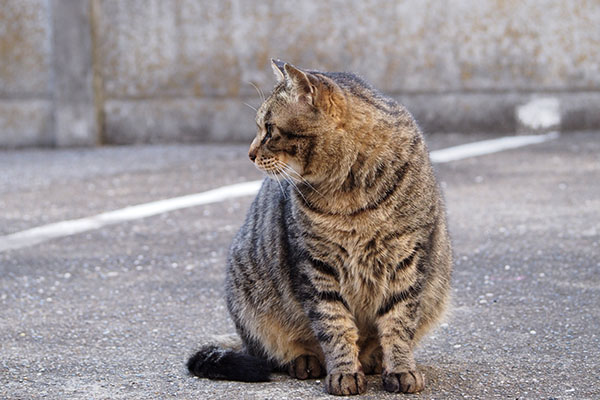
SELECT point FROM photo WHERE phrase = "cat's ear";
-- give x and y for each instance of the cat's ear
(278, 70)
(300, 83)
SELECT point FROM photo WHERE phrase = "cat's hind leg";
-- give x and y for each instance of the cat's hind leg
(306, 366)
(292, 345)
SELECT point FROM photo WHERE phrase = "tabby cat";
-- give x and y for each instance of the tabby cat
(343, 262)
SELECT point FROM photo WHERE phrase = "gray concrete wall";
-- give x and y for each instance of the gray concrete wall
(25, 73)
(81, 72)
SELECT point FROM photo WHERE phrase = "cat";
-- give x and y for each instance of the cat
(344, 260)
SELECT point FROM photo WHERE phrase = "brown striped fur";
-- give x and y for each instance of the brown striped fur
(343, 262)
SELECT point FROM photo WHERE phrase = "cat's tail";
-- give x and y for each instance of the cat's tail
(224, 359)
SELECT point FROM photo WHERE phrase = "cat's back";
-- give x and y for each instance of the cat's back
(261, 246)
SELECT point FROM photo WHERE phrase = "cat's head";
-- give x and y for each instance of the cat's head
(300, 125)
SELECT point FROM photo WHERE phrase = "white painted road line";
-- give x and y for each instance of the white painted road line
(488, 147)
(44, 233)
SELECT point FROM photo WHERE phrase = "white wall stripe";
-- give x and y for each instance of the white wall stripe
(44, 233)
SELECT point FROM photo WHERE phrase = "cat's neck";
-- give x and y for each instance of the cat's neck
(371, 172)
(371, 151)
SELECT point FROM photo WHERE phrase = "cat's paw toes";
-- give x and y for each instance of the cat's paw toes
(405, 382)
(306, 367)
(343, 384)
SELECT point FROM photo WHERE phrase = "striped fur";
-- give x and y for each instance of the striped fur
(343, 262)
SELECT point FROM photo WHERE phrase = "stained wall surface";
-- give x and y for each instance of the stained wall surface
(86, 72)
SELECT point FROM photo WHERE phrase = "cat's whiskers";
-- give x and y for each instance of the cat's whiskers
(290, 169)
(260, 92)
(291, 181)
(276, 177)
(246, 104)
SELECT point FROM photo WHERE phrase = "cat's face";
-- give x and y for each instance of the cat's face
(295, 129)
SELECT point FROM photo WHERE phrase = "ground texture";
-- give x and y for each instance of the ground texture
(114, 313)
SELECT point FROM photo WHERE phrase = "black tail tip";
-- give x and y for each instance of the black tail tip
(215, 363)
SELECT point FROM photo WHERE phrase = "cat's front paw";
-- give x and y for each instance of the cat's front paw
(306, 367)
(343, 384)
(405, 382)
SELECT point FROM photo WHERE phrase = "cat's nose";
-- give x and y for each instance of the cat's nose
(252, 155)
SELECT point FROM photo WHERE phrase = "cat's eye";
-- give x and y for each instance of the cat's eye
(269, 128)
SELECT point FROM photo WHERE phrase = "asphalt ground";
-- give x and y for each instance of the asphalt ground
(114, 313)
